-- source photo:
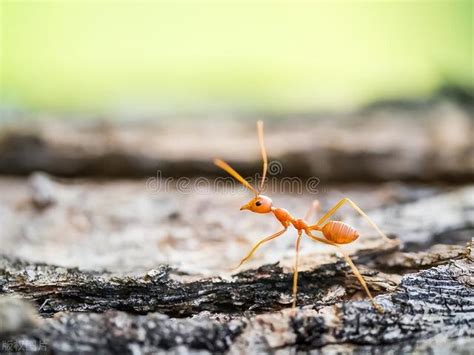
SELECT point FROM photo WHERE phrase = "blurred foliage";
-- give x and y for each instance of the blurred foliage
(274, 55)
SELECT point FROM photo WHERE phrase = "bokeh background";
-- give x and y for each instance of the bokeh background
(188, 56)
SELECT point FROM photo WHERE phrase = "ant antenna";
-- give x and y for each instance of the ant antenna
(224, 166)
(264, 153)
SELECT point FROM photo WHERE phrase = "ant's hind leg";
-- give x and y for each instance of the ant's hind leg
(354, 268)
(295, 272)
(359, 210)
(315, 207)
(256, 246)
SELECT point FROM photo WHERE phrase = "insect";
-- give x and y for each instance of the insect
(333, 233)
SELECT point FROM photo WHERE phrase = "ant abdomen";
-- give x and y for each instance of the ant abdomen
(339, 232)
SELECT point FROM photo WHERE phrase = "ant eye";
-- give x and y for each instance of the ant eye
(258, 203)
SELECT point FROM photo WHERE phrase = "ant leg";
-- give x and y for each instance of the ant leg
(358, 209)
(255, 247)
(315, 207)
(356, 271)
(295, 272)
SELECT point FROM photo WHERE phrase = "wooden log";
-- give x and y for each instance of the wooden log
(266, 288)
(123, 226)
(430, 308)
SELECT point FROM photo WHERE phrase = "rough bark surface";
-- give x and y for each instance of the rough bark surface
(264, 289)
(125, 226)
(436, 303)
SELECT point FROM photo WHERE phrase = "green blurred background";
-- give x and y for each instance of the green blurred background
(78, 56)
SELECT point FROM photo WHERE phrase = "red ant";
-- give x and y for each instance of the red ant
(334, 232)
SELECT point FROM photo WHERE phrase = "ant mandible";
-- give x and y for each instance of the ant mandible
(334, 232)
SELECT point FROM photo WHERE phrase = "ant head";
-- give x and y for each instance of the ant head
(259, 204)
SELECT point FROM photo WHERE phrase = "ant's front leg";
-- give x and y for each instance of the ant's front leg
(256, 246)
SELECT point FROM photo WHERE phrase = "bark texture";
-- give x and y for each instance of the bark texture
(427, 295)
(264, 289)
(125, 226)
(436, 303)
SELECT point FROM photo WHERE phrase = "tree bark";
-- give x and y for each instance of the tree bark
(435, 303)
